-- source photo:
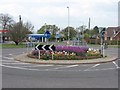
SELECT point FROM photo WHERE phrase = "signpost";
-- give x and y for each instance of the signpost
(45, 47)
(102, 42)
(47, 35)
(57, 36)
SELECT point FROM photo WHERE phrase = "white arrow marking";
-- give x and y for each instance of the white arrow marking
(43, 47)
(50, 47)
(70, 66)
(116, 64)
(92, 67)
(37, 47)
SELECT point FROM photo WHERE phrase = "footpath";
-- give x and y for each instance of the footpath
(26, 59)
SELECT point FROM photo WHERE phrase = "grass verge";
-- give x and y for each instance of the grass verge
(23, 45)
(12, 46)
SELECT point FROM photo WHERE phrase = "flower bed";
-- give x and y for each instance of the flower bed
(73, 49)
(67, 53)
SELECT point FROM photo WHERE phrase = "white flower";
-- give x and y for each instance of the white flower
(94, 50)
(89, 49)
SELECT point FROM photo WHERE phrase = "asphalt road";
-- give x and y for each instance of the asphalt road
(24, 75)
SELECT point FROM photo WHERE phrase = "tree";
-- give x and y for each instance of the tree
(72, 33)
(18, 31)
(94, 32)
(51, 28)
(41, 30)
(87, 33)
(82, 32)
(5, 22)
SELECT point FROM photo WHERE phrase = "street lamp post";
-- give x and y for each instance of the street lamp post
(45, 31)
(68, 25)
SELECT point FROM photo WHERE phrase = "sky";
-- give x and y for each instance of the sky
(102, 13)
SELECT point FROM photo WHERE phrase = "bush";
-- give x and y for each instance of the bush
(114, 42)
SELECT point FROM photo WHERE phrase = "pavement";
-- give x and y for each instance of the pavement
(24, 58)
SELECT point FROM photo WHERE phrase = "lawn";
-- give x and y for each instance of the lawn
(109, 46)
(12, 46)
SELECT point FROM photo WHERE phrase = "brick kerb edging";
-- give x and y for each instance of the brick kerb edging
(26, 59)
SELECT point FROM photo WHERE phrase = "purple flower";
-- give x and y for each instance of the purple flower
(77, 49)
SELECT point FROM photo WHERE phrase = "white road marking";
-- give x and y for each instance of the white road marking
(85, 65)
(8, 58)
(115, 64)
(104, 69)
(9, 61)
(92, 67)
(15, 63)
(70, 66)
(10, 54)
(56, 69)
(17, 67)
(95, 65)
(38, 66)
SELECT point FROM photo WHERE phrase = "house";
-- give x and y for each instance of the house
(117, 36)
(113, 33)
(3, 35)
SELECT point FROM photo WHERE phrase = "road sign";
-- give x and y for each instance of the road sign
(47, 34)
(45, 47)
(57, 36)
(102, 34)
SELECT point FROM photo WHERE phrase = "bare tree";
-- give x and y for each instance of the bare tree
(5, 22)
(19, 31)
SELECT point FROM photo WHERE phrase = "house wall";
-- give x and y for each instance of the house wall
(117, 37)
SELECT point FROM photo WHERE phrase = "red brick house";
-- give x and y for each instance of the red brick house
(117, 36)
(113, 33)
(3, 35)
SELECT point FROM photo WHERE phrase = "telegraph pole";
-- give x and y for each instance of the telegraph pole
(19, 18)
(89, 24)
(68, 25)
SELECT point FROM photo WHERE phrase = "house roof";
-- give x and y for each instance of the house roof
(112, 31)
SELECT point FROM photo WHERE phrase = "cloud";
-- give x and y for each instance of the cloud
(102, 12)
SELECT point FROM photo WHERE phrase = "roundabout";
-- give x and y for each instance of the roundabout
(17, 74)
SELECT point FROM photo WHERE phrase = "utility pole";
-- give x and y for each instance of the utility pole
(89, 23)
(20, 25)
(45, 31)
(19, 18)
(68, 25)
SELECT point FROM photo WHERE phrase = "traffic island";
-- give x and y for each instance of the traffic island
(46, 52)
(24, 58)
(50, 54)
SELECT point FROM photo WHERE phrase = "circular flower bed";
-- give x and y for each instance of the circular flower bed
(67, 53)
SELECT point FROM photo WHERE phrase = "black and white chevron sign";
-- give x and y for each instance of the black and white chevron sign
(45, 47)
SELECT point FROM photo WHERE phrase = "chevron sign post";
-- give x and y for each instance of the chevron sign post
(45, 47)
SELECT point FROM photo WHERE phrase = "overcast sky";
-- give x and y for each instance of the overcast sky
(103, 13)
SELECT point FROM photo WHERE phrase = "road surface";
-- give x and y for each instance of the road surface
(16, 74)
